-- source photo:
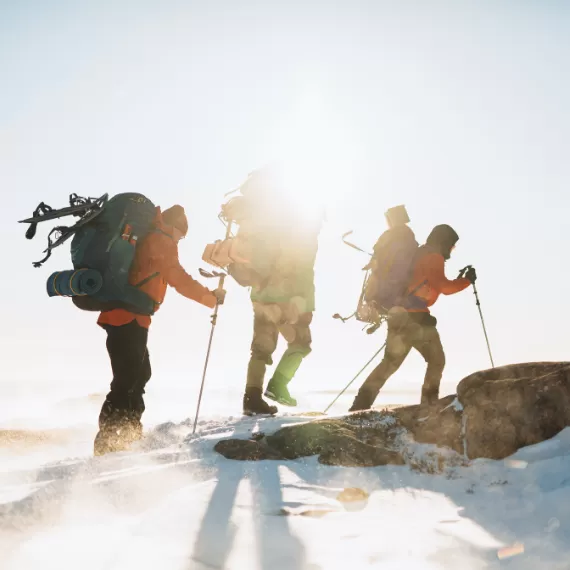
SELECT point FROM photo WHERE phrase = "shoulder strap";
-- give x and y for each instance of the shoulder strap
(156, 273)
(147, 279)
(159, 231)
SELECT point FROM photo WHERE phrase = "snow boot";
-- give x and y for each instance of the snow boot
(107, 441)
(278, 392)
(254, 404)
(115, 439)
(363, 401)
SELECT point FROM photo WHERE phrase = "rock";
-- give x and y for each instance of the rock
(439, 424)
(514, 406)
(310, 438)
(495, 413)
(246, 450)
(349, 452)
(529, 370)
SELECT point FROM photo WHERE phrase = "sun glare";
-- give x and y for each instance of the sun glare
(314, 154)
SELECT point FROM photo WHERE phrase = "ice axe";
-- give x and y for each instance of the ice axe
(222, 277)
(353, 246)
(478, 303)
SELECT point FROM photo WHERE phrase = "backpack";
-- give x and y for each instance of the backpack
(387, 277)
(250, 255)
(391, 268)
(102, 251)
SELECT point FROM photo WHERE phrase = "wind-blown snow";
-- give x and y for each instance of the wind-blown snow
(173, 503)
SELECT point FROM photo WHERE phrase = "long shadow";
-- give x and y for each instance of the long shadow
(277, 546)
(485, 501)
(217, 533)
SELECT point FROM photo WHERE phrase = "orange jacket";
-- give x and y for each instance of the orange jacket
(429, 280)
(158, 254)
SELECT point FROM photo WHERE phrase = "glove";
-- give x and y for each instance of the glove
(220, 295)
(471, 274)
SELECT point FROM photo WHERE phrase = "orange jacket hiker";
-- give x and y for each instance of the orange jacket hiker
(429, 280)
(158, 254)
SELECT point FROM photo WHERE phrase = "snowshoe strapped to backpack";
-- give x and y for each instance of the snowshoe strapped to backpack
(104, 241)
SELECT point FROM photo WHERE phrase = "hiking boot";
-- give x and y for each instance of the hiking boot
(278, 392)
(429, 397)
(363, 401)
(107, 441)
(254, 404)
(115, 439)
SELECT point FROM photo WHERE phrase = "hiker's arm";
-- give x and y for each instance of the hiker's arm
(435, 275)
(176, 277)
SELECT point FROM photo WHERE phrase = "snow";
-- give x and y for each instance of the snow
(173, 503)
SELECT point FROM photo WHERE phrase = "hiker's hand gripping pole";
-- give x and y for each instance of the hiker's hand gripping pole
(222, 278)
(478, 303)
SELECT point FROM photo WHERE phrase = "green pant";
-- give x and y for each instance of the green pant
(271, 320)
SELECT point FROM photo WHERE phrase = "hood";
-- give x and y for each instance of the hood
(442, 239)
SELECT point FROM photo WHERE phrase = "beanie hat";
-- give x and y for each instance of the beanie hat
(176, 217)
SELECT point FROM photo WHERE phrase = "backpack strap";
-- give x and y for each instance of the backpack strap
(62, 233)
(159, 231)
(147, 279)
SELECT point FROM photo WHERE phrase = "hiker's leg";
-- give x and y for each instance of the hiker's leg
(126, 346)
(398, 346)
(298, 337)
(428, 344)
(137, 405)
(265, 336)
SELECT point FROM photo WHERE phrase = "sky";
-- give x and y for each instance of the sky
(459, 110)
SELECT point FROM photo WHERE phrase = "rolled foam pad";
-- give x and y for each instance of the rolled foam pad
(74, 282)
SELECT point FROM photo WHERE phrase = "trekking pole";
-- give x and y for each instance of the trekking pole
(478, 303)
(359, 373)
(214, 320)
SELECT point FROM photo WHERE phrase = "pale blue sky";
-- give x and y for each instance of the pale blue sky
(457, 109)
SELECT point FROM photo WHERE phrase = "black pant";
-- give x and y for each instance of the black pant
(131, 371)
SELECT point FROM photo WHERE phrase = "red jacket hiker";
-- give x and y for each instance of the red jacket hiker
(127, 333)
(158, 253)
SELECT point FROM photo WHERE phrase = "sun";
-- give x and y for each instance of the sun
(314, 154)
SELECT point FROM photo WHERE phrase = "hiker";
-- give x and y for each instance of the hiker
(410, 324)
(155, 266)
(282, 305)
(273, 252)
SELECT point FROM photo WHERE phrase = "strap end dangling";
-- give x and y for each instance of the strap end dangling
(37, 264)
(31, 231)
